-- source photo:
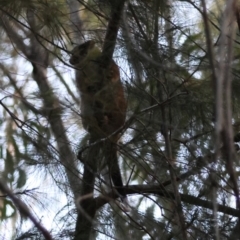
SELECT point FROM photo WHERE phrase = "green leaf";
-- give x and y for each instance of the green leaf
(9, 166)
(5, 212)
(22, 178)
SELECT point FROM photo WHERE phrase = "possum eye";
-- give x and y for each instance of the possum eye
(83, 51)
(74, 59)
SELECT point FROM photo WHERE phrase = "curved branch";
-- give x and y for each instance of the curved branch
(158, 190)
(23, 209)
(112, 31)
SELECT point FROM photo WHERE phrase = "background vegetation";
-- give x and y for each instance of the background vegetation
(180, 67)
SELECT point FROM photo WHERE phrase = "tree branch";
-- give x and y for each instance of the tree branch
(112, 32)
(158, 190)
(23, 209)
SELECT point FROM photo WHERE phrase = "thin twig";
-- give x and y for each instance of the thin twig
(23, 209)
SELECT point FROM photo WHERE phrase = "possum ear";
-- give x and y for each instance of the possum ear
(80, 52)
(91, 44)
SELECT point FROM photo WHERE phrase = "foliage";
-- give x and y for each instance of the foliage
(181, 172)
